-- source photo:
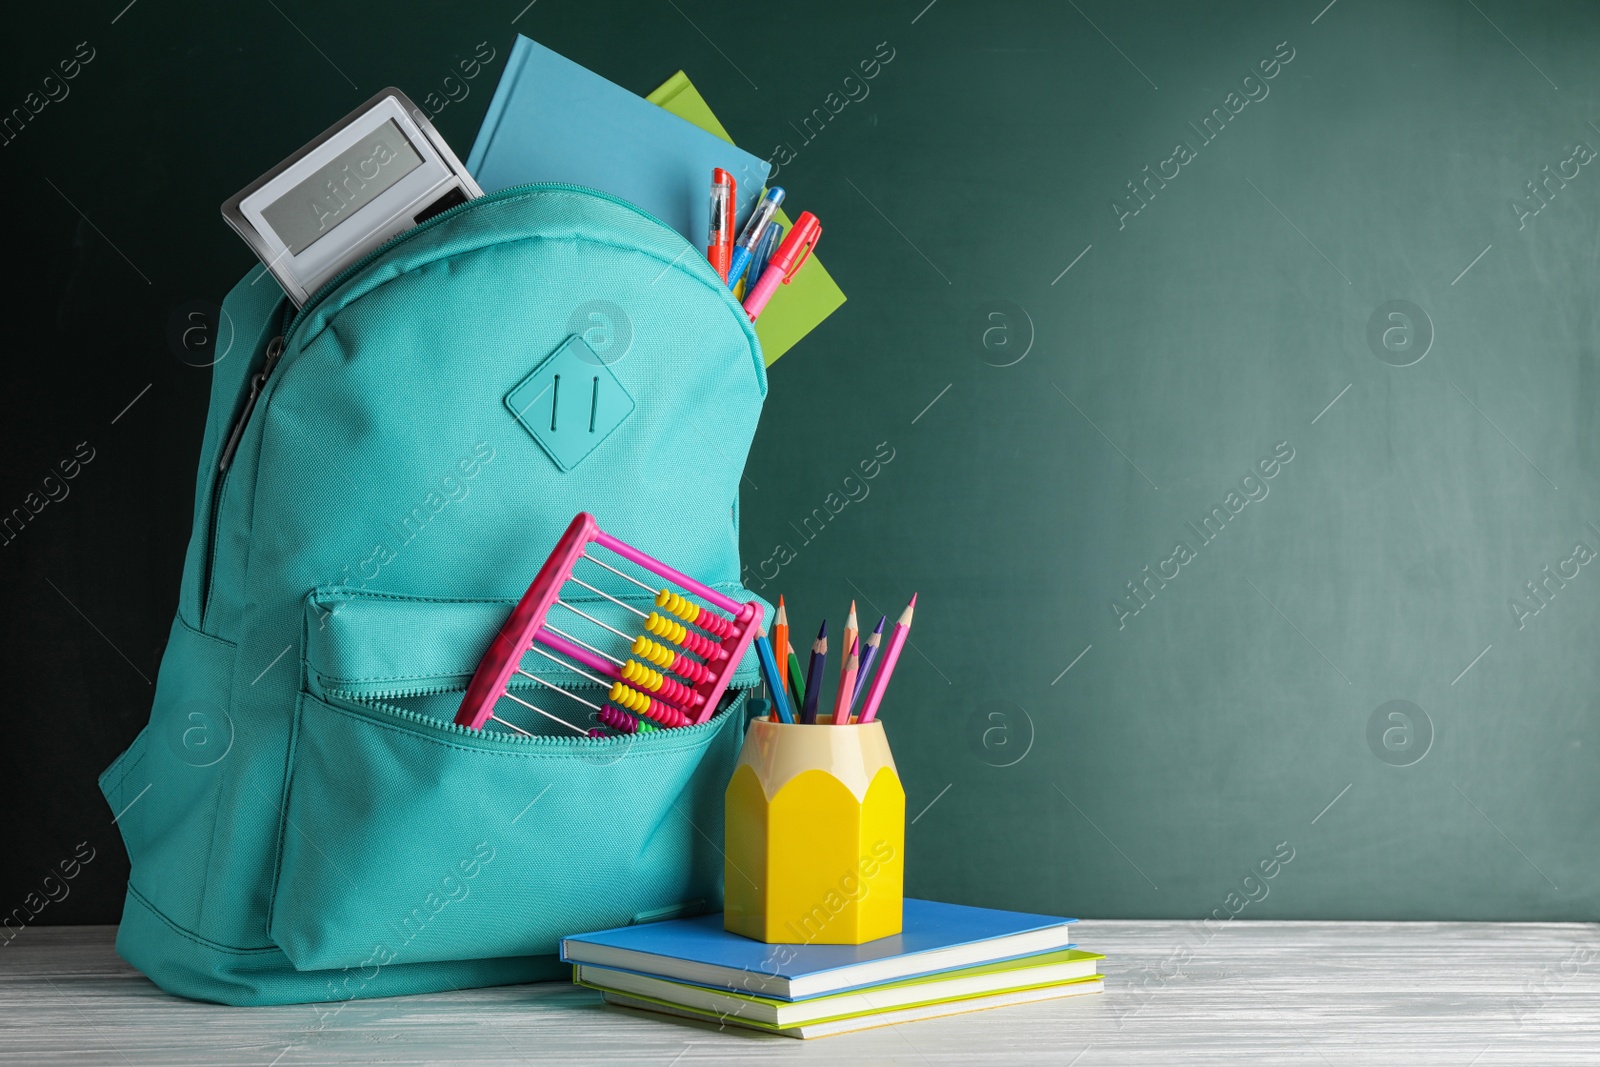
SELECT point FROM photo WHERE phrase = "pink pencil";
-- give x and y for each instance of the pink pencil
(852, 630)
(897, 641)
(847, 684)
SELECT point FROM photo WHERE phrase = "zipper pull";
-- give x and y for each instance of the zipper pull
(257, 384)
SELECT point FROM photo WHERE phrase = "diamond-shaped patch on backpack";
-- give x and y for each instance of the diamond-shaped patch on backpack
(570, 403)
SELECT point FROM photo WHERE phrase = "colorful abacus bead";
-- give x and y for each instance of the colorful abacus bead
(690, 671)
(676, 662)
(689, 611)
(660, 655)
(675, 691)
(714, 624)
(622, 722)
(639, 704)
(679, 634)
(641, 676)
(669, 689)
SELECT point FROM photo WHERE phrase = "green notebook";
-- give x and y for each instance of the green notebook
(1006, 976)
(797, 308)
(867, 1020)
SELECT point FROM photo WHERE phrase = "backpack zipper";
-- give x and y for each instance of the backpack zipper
(257, 383)
(378, 701)
(502, 194)
(275, 349)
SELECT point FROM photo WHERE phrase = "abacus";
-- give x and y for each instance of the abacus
(670, 675)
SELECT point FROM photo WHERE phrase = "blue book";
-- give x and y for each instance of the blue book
(935, 938)
(552, 120)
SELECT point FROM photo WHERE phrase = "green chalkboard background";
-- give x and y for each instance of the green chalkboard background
(1056, 389)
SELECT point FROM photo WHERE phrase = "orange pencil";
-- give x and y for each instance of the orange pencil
(780, 640)
(847, 685)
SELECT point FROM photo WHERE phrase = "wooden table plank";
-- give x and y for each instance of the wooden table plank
(1259, 993)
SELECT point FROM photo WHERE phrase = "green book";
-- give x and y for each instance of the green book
(797, 308)
(866, 1021)
(1027, 973)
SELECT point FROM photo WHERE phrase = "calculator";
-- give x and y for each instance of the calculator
(377, 172)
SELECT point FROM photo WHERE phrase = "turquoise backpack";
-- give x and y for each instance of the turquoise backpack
(304, 820)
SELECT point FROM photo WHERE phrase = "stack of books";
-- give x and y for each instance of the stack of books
(948, 959)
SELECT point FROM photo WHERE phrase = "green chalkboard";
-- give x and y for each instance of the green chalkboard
(1222, 376)
(1184, 289)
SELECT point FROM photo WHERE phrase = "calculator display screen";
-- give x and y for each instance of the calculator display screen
(353, 179)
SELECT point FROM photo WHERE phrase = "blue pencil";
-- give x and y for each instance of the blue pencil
(819, 657)
(866, 662)
(769, 667)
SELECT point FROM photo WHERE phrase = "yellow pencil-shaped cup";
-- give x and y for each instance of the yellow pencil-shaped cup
(816, 827)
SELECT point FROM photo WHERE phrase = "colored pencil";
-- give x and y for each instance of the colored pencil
(847, 684)
(769, 667)
(873, 641)
(897, 641)
(819, 658)
(780, 638)
(852, 631)
(797, 684)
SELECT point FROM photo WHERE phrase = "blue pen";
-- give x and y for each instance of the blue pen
(762, 214)
(770, 238)
(769, 667)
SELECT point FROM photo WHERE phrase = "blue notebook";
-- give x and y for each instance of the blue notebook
(552, 120)
(936, 937)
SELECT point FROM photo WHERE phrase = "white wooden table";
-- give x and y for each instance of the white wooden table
(1253, 993)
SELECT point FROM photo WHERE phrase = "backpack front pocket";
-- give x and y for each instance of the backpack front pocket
(406, 838)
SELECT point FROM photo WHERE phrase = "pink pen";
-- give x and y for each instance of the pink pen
(781, 268)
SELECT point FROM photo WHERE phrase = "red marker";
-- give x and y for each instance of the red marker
(719, 243)
(802, 238)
